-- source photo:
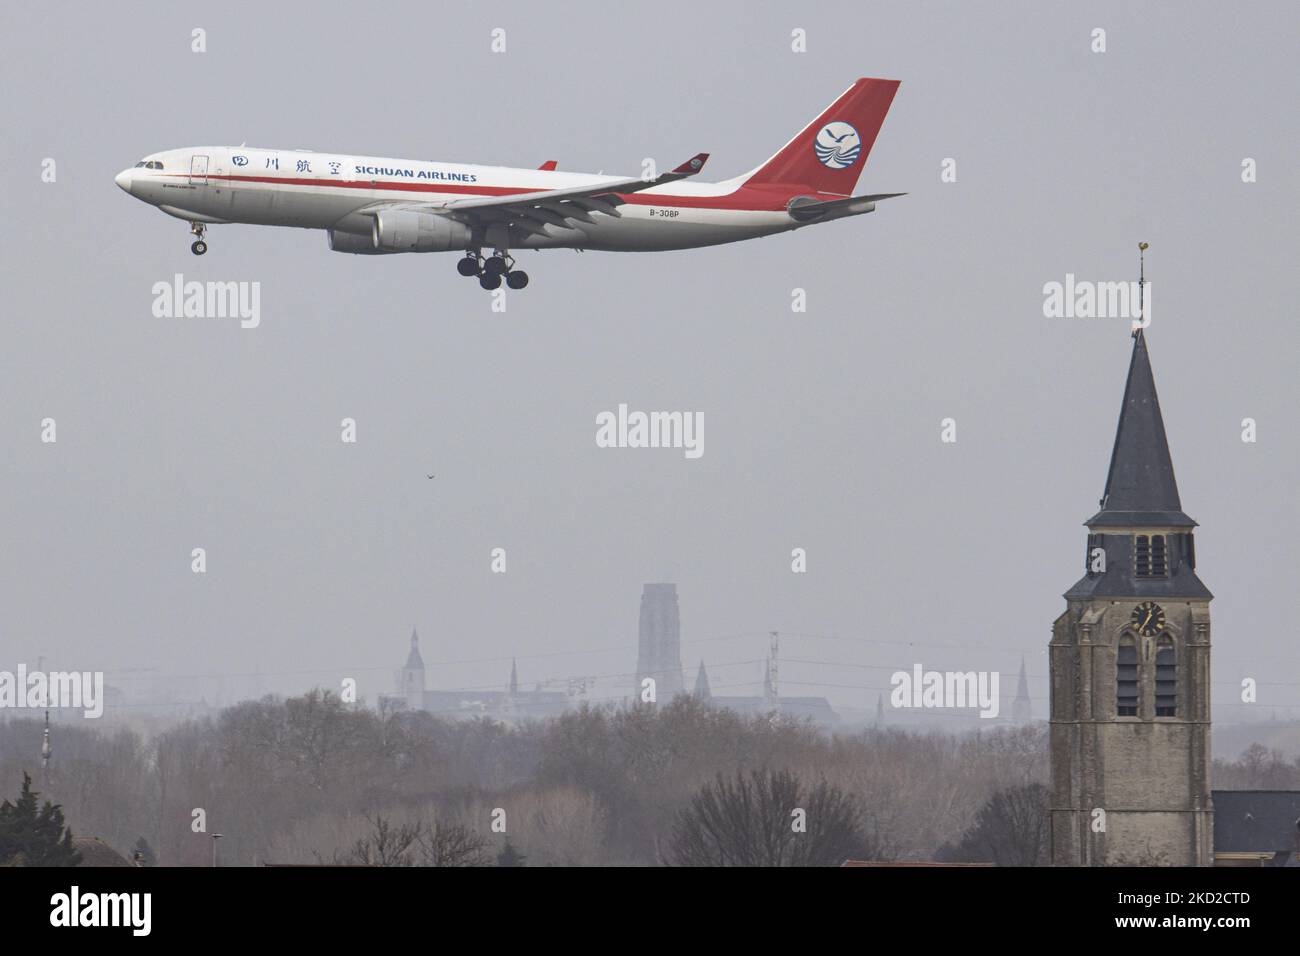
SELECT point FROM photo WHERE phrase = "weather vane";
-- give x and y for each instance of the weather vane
(1139, 322)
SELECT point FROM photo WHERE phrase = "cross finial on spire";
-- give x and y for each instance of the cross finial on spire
(1141, 321)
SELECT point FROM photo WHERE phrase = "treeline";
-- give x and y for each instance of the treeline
(310, 779)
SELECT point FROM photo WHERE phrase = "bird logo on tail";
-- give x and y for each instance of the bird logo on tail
(837, 145)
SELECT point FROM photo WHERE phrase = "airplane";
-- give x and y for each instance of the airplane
(376, 206)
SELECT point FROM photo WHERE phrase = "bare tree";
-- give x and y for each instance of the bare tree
(768, 819)
(387, 844)
(443, 844)
(1011, 829)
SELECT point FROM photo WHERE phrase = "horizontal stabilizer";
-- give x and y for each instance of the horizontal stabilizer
(804, 209)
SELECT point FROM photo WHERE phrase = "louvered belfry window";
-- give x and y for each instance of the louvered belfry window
(1150, 556)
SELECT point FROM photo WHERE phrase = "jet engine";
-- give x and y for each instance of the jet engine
(400, 230)
(351, 242)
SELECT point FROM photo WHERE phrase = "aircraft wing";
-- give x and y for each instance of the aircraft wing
(554, 206)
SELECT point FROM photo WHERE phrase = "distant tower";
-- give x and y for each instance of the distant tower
(514, 679)
(1130, 665)
(1020, 709)
(702, 690)
(410, 679)
(659, 647)
(46, 753)
(880, 708)
(772, 683)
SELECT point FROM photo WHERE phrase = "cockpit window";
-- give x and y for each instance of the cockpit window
(152, 164)
(139, 164)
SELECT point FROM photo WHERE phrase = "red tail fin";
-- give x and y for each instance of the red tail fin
(830, 152)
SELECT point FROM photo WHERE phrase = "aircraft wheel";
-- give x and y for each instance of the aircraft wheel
(495, 266)
(517, 279)
(198, 247)
(467, 266)
(490, 280)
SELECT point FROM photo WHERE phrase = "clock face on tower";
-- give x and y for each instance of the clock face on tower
(1149, 619)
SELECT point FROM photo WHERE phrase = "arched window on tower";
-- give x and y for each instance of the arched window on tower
(1166, 677)
(1126, 677)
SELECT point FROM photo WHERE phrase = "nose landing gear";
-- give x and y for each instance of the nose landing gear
(492, 270)
(198, 246)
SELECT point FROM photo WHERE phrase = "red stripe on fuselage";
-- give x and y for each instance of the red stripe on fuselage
(767, 199)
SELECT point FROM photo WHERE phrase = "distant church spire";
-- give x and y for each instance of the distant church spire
(1020, 707)
(702, 689)
(410, 679)
(514, 679)
(413, 660)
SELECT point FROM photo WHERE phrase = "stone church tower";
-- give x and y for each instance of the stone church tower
(659, 641)
(1130, 666)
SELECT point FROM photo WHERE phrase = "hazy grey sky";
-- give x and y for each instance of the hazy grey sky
(822, 429)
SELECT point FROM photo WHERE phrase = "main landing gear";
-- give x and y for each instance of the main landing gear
(492, 270)
(198, 246)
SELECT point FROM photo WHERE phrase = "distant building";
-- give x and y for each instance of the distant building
(506, 705)
(818, 709)
(659, 641)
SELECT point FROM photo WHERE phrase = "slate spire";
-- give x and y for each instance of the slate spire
(1140, 486)
(1021, 709)
(702, 689)
(1140, 542)
(413, 660)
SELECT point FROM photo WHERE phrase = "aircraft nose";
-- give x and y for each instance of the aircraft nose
(123, 180)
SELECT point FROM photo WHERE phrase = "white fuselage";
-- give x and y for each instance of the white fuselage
(216, 184)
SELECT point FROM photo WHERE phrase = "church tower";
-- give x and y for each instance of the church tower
(410, 679)
(1130, 665)
(659, 641)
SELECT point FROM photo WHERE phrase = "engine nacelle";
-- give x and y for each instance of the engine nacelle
(351, 242)
(400, 230)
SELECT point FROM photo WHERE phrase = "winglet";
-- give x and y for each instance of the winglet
(549, 165)
(692, 165)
